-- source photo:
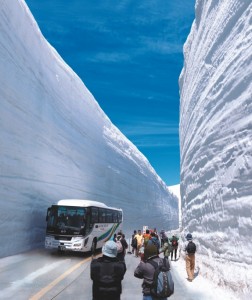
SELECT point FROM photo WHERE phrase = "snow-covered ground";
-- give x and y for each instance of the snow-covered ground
(215, 140)
(57, 143)
(200, 288)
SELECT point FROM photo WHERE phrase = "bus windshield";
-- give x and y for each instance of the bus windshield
(66, 219)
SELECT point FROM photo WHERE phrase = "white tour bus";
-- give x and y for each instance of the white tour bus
(80, 225)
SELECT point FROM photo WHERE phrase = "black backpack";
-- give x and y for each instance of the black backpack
(107, 276)
(174, 243)
(163, 285)
(191, 248)
(134, 243)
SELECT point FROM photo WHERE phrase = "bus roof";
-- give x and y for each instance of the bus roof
(83, 203)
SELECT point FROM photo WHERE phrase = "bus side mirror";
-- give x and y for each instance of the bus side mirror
(48, 211)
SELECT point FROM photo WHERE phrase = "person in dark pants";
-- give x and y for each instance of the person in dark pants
(162, 236)
(107, 273)
(133, 242)
(174, 243)
(145, 270)
(122, 254)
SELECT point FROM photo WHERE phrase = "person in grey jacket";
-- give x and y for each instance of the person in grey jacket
(146, 271)
(166, 249)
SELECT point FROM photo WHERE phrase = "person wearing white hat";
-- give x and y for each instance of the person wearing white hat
(107, 272)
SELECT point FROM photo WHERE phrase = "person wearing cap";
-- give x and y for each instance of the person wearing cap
(190, 249)
(145, 270)
(107, 273)
(174, 243)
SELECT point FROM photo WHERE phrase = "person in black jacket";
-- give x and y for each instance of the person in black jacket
(107, 272)
(121, 255)
(133, 242)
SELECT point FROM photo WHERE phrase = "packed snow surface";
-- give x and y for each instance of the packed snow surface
(57, 143)
(216, 140)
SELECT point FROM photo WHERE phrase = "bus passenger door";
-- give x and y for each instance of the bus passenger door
(88, 222)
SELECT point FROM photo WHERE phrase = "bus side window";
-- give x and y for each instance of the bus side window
(109, 216)
(102, 215)
(115, 217)
(120, 216)
(94, 215)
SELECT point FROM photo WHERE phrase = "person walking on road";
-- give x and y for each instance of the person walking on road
(162, 237)
(139, 239)
(134, 242)
(190, 249)
(166, 249)
(122, 240)
(145, 270)
(154, 240)
(107, 272)
(174, 243)
(146, 237)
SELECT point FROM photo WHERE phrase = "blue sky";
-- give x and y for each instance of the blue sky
(129, 55)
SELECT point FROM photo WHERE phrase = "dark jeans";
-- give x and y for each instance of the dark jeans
(149, 297)
(175, 253)
(107, 298)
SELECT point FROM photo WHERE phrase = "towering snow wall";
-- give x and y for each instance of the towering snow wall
(56, 143)
(216, 138)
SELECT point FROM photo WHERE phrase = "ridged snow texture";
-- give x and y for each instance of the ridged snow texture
(216, 133)
(57, 143)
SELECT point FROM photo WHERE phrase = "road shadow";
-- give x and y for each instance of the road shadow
(196, 273)
(175, 259)
(57, 253)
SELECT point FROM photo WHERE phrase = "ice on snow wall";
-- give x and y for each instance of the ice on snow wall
(216, 135)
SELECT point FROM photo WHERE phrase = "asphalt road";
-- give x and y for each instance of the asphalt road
(44, 275)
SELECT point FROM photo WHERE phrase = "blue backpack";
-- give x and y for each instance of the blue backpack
(163, 285)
